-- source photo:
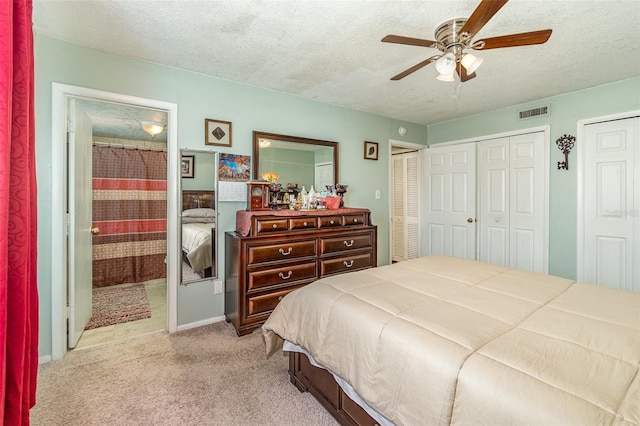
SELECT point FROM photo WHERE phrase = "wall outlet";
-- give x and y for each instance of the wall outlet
(217, 287)
(377, 194)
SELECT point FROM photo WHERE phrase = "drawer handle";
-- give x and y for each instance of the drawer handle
(355, 220)
(281, 275)
(348, 244)
(348, 265)
(282, 252)
(304, 223)
(275, 226)
(331, 222)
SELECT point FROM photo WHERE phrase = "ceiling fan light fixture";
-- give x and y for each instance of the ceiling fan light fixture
(446, 64)
(152, 127)
(471, 62)
(446, 77)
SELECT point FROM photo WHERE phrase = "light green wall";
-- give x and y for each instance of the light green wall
(198, 97)
(566, 110)
(293, 166)
(204, 176)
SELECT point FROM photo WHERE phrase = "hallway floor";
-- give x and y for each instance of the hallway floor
(157, 296)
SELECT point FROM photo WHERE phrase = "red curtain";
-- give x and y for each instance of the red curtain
(18, 285)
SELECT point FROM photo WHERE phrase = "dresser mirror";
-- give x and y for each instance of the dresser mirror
(295, 160)
(198, 215)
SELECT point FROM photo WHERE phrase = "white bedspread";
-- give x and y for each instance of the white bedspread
(196, 244)
(442, 340)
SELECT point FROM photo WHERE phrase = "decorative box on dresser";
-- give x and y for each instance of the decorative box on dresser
(272, 253)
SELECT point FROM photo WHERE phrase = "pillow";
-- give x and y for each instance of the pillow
(208, 213)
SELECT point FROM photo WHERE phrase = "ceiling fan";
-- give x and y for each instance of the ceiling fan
(455, 36)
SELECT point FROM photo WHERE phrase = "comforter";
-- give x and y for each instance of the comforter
(196, 244)
(441, 340)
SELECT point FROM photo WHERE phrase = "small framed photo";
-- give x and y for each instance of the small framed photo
(217, 132)
(187, 166)
(370, 150)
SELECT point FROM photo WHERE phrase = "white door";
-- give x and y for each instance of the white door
(512, 201)
(80, 286)
(405, 201)
(323, 176)
(450, 204)
(493, 176)
(611, 204)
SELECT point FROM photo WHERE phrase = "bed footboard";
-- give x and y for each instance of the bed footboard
(321, 384)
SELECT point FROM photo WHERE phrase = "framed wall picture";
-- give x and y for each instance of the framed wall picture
(370, 150)
(217, 132)
(187, 166)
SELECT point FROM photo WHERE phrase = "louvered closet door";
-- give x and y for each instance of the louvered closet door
(406, 206)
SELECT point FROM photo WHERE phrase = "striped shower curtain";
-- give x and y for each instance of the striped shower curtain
(130, 210)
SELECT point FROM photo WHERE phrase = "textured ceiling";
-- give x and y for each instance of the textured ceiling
(330, 51)
(114, 120)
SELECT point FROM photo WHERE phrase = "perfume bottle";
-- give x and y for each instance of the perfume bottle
(312, 197)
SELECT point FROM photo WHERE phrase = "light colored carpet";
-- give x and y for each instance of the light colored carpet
(204, 376)
(188, 274)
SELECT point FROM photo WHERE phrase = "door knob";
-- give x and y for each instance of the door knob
(470, 220)
(95, 230)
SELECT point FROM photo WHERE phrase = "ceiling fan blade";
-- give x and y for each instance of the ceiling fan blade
(462, 72)
(415, 67)
(409, 40)
(520, 39)
(485, 11)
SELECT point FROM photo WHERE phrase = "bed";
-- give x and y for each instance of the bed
(442, 340)
(198, 230)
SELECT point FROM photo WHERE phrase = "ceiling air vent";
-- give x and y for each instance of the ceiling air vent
(534, 112)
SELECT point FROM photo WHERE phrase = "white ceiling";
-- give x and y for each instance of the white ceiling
(331, 51)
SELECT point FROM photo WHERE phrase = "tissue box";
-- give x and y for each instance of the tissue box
(332, 203)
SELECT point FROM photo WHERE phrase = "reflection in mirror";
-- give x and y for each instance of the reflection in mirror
(198, 215)
(296, 160)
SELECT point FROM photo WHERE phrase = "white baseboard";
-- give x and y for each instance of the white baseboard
(196, 324)
(44, 359)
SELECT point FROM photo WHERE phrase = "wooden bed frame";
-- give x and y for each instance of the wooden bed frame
(206, 198)
(321, 384)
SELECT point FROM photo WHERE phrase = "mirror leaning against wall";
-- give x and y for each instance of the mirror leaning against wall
(198, 215)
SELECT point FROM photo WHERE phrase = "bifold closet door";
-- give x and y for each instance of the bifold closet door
(611, 204)
(450, 201)
(512, 201)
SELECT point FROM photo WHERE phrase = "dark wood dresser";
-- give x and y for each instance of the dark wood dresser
(272, 253)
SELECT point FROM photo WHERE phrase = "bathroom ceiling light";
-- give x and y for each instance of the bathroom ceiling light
(152, 127)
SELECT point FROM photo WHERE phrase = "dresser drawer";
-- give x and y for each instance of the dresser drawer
(329, 221)
(302, 223)
(267, 226)
(358, 219)
(350, 242)
(265, 303)
(281, 251)
(259, 280)
(344, 264)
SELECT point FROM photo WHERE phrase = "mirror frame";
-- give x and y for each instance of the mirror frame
(296, 139)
